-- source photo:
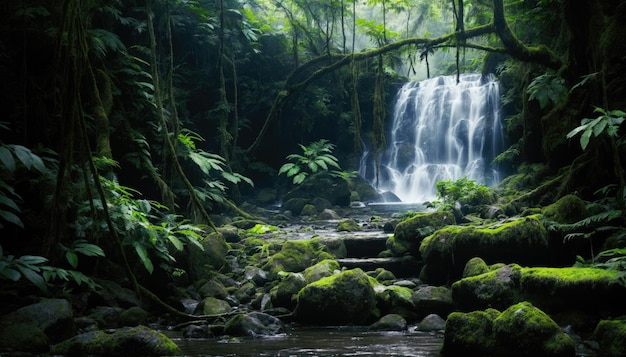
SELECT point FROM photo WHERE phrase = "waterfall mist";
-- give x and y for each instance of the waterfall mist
(439, 130)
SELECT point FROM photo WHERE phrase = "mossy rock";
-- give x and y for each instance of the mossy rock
(253, 324)
(284, 294)
(446, 251)
(558, 291)
(135, 341)
(408, 234)
(389, 322)
(524, 330)
(295, 256)
(295, 205)
(470, 334)
(213, 288)
(475, 266)
(433, 300)
(23, 337)
(397, 300)
(347, 225)
(611, 334)
(345, 298)
(212, 306)
(202, 262)
(54, 317)
(308, 210)
(326, 267)
(322, 185)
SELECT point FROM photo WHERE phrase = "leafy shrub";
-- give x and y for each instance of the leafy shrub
(315, 158)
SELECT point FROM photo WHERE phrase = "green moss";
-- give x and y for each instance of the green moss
(475, 266)
(320, 270)
(568, 209)
(611, 335)
(446, 251)
(295, 256)
(469, 334)
(348, 225)
(409, 233)
(498, 288)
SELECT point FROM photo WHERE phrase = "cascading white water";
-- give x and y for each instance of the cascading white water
(440, 130)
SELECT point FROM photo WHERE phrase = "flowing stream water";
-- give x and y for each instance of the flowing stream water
(440, 130)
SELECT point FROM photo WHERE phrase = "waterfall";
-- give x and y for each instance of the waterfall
(440, 130)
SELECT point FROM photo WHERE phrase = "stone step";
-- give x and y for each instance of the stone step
(364, 246)
(401, 267)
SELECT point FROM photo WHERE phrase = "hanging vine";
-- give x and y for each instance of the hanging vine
(378, 126)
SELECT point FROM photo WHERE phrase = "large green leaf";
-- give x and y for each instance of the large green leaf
(143, 256)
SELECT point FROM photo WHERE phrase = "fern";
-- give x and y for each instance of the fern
(316, 157)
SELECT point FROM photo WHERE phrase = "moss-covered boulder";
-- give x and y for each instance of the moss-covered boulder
(212, 306)
(254, 324)
(284, 294)
(213, 288)
(568, 209)
(433, 300)
(24, 338)
(347, 225)
(201, 262)
(295, 256)
(326, 267)
(322, 185)
(611, 335)
(592, 292)
(309, 210)
(470, 334)
(53, 317)
(397, 300)
(521, 330)
(447, 251)
(345, 298)
(430, 323)
(389, 322)
(475, 266)
(135, 341)
(524, 330)
(408, 234)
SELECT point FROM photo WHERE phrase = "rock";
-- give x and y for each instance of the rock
(430, 323)
(295, 256)
(134, 341)
(408, 234)
(197, 331)
(389, 197)
(433, 300)
(108, 317)
(347, 225)
(396, 300)
(212, 306)
(212, 288)
(284, 294)
(335, 246)
(383, 275)
(558, 291)
(326, 267)
(266, 196)
(255, 274)
(321, 204)
(523, 329)
(23, 337)
(253, 324)
(470, 334)
(568, 209)
(133, 316)
(445, 252)
(202, 262)
(322, 185)
(611, 334)
(475, 266)
(230, 233)
(366, 191)
(327, 214)
(347, 297)
(309, 210)
(53, 317)
(245, 292)
(389, 322)
(295, 205)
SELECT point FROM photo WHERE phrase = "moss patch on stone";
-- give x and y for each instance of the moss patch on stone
(295, 256)
(611, 335)
(446, 251)
(409, 233)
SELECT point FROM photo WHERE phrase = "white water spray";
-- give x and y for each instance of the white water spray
(440, 130)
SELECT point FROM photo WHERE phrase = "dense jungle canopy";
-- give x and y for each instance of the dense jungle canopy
(131, 123)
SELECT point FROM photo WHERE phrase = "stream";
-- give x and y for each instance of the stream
(322, 341)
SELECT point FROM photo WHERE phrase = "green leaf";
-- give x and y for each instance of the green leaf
(295, 169)
(24, 155)
(72, 258)
(8, 202)
(143, 255)
(88, 249)
(10, 274)
(176, 242)
(34, 277)
(584, 139)
(299, 178)
(32, 259)
(6, 157)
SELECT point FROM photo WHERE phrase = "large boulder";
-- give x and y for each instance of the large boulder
(254, 324)
(408, 234)
(389, 322)
(284, 294)
(295, 256)
(326, 267)
(323, 185)
(396, 300)
(611, 335)
(345, 298)
(47, 321)
(134, 341)
(433, 300)
(521, 330)
(567, 294)
(201, 262)
(446, 252)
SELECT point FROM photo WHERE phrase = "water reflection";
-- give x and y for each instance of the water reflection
(320, 342)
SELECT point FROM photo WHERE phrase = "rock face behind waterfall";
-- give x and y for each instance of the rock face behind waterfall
(440, 130)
